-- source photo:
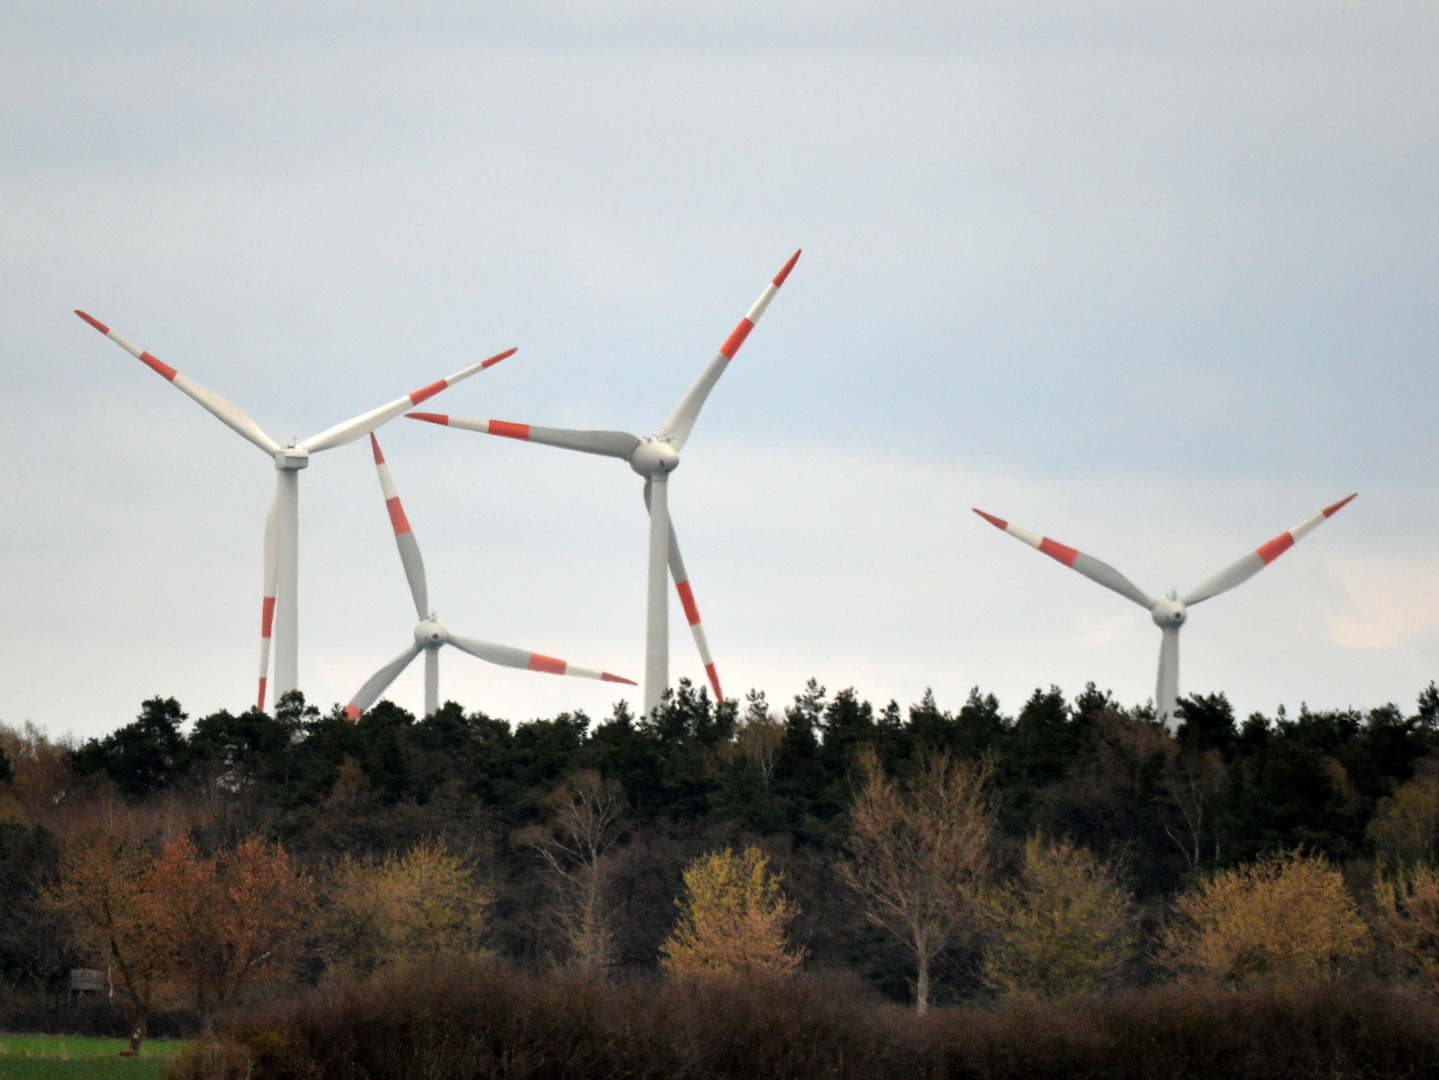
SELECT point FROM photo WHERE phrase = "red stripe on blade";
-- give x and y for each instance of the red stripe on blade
(714, 682)
(1055, 550)
(539, 662)
(267, 616)
(1276, 547)
(605, 676)
(779, 278)
(429, 417)
(1330, 510)
(428, 392)
(998, 523)
(260, 705)
(159, 365)
(352, 711)
(687, 598)
(397, 515)
(509, 430)
(498, 357)
(735, 340)
(96, 323)
(375, 446)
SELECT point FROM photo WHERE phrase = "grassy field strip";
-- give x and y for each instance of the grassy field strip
(72, 1057)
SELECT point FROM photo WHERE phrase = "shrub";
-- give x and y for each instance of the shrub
(464, 1020)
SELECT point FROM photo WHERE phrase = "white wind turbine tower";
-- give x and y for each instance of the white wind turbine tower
(280, 609)
(430, 635)
(654, 458)
(1168, 612)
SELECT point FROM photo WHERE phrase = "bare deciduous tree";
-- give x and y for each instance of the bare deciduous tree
(1193, 782)
(918, 854)
(585, 817)
(759, 737)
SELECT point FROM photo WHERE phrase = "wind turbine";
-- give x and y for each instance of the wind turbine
(280, 608)
(654, 458)
(430, 634)
(1168, 612)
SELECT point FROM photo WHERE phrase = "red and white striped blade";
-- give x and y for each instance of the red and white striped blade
(351, 430)
(677, 426)
(404, 535)
(379, 682)
(691, 609)
(267, 603)
(505, 656)
(1261, 557)
(617, 444)
(1090, 567)
(227, 412)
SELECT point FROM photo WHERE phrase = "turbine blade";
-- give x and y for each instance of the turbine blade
(687, 601)
(227, 412)
(1090, 567)
(267, 604)
(1261, 557)
(676, 428)
(618, 444)
(1166, 688)
(351, 430)
(376, 685)
(505, 656)
(404, 536)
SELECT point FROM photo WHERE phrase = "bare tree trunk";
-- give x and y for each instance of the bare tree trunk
(137, 1036)
(921, 984)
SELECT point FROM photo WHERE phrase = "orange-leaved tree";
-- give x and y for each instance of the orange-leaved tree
(102, 887)
(228, 918)
(732, 920)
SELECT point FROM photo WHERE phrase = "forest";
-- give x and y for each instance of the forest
(572, 843)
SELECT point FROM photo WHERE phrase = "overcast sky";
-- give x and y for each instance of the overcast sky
(1158, 280)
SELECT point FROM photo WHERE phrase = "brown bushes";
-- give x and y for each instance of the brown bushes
(466, 1021)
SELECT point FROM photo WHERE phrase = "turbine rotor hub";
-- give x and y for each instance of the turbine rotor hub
(654, 458)
(1168, 613)
(431, 634)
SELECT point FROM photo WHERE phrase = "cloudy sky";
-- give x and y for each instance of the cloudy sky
(1158, 280)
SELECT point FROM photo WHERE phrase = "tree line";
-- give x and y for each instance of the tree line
(938, 855)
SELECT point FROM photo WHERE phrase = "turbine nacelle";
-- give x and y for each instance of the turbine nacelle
(1168, 613)
(431, 634)
(654, 457)
(292, 458)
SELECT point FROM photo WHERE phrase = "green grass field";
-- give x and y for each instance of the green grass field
(70, 1057)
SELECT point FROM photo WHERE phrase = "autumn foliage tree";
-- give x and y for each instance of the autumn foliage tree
(732, 920)
(1065, 926)
(227, 918)
(412, 905)
(1407, 917)
(918, 853)
(1284, 916)
(104, 891)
